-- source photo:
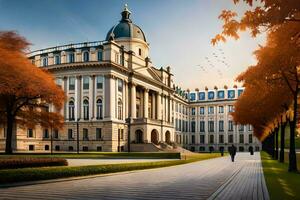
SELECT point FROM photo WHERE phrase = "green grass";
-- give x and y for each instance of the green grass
(98, 155)
(44, 173)
(281, 184)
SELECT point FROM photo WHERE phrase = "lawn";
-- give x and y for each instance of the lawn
(44, 173)
(98, 155)
(281, 184)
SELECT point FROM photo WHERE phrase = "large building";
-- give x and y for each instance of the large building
(117, 100)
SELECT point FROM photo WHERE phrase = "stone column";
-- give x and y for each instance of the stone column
(167, 108)
(171, 109)
(65, 89)
(146, 96)
(133, 100)
(126, 100)
(92, 97)
(158, 106)
(110, 96)
(162, 110)
(78, 98)
(123, 100)
(153, 106)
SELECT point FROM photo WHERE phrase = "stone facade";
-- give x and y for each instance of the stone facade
(116, 98)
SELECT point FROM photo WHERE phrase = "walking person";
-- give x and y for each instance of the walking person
(232, 152)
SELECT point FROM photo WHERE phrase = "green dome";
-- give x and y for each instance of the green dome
(125, 28)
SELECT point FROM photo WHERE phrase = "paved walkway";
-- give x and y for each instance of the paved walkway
(215, 179)
(84, 162)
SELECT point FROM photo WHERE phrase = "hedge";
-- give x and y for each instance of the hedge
(14, 163)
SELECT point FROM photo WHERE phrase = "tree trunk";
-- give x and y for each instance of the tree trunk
(282, 142)
(276, 143)
(272, 145)
(292, 153)
(9, 133)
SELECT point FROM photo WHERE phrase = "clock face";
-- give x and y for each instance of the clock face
(201, 96)
(231, 94)
(211, 95)
(220, 94)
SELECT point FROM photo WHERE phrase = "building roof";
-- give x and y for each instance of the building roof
(125, 28)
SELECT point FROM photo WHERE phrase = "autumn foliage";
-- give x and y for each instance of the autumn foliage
(272, 85)
(26, 91)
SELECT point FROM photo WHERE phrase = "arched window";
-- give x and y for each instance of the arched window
(45, 61)
(100, 55)
(71, 111)
(57, 59)
(71, 57)
(85, 109)
(99, 106)
(120, 109)
(86, 56)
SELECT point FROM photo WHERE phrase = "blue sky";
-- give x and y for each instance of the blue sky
(179, 32)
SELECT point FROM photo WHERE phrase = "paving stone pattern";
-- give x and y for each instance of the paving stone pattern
(215, 179)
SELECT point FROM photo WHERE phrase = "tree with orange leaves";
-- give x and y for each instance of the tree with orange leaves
(278, 61)
(26, 91)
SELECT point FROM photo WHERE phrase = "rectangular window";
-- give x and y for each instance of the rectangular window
(71, 57)
(211, 126)
(221, 109)
(72, 83)
(211, 139)
(241, 139)
(193, 128)
(99, 148)
(30, 133)
(85, 134)
(230, 108)
(202, 139)
(46, 133)
(211, 110)
(202, 126)
(55, 134)
(98, 133)
(230, 125)
(241, 128)
(99, 81)
(120, 85)
(221, 139)
(193, 139)
(201, 110)
(100, 55)
(250, 138)
(86, 81)
(193, 110)
(31, 147)
(57, 59)
(221, 126)
(249, 127)
(70, 134)
(230, 138)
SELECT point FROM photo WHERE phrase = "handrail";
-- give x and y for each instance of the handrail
(65, 47)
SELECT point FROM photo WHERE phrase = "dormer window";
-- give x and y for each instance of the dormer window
(57, 59)
(71, 58)
(100, 55)
(45, 61)
(86, 56)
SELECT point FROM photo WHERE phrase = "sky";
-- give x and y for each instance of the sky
(179, 33)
